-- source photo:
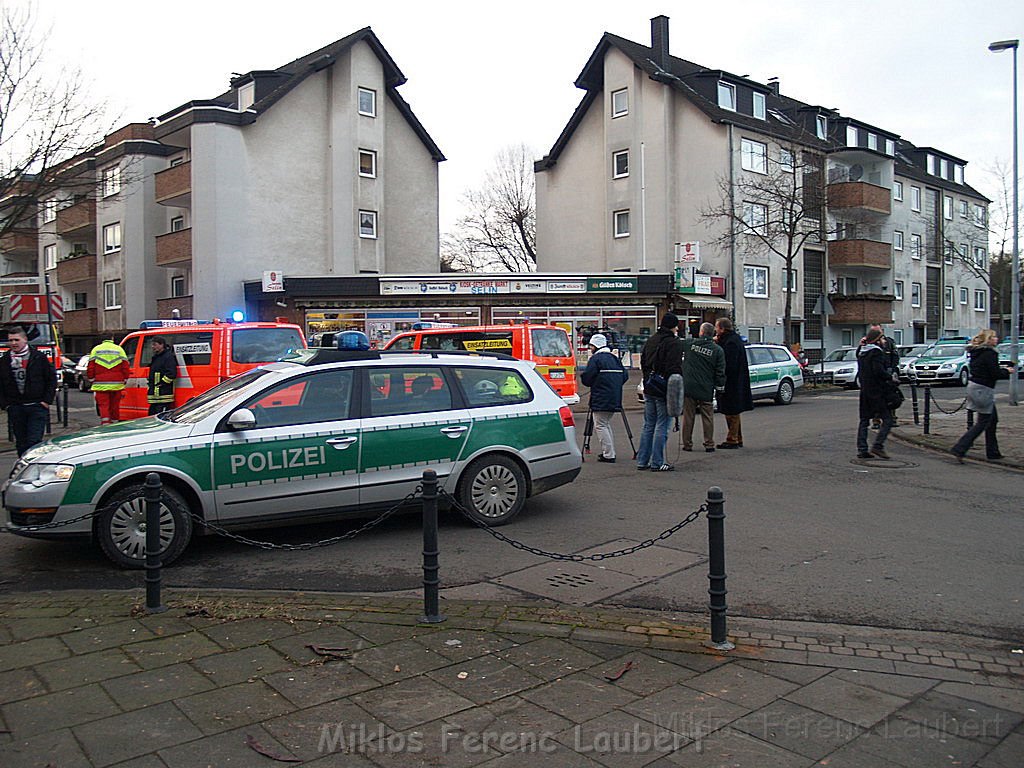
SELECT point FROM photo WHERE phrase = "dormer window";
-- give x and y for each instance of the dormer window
(821, 126)
(958, 173)
(759, 109)
(851, 136)
(727, 96)
(890, 147)
(873, 141)
(246, 96)
(932, 165)
(944, 168)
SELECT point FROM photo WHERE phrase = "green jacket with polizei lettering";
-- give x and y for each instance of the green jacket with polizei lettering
(163, 370)
(703, 368)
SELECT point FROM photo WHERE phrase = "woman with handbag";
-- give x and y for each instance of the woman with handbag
(981, 395)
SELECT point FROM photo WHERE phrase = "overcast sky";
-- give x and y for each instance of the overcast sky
(483, 75)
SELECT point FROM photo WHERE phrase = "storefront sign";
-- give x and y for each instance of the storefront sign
(273, 281)
(529, 286)
(701, 284)
(567, 286)
(684, 278)
(445, 287)
(717, 286)
(611, 285)
(687, 253)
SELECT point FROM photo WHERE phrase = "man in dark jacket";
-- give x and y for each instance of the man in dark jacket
(605, 376)
(736, 397)
(875, 384)
(662, 355)
(28, 385)
(703, 373)
(163, 370)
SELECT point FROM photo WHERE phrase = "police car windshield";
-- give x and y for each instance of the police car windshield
(946, 350)
(201, 406)
(839, 355)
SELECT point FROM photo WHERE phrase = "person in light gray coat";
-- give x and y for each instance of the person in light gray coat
(605, 376)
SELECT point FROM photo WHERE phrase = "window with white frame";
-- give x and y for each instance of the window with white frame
(367, 102)
(759, 110)
(979, 215)
(898, 290)
(177, 223)
(964, 209)
(847, 337)
(793, 281)
(620, 102)
(964, 252)
(915, 198)
(49, 210)
(947, 296)
(246, 96)
(897, 190)
(932, 165)
(848, 286)
(947, 208)
(727, 96)
(368, 224)
(368, 163)
(851, 136)
(897, 336)
(980, 300)
(786, 160)
(112, 294)
(620, 223)
(979, 256)
(50, 257)
(915, 294)
(111, 180)
(897, 240)
(950, 250)
(873, 141)
(963, 296)
(112, 237)
(620, 164)
(754, 156)
(821, 126)
(915, 246)
(890, 147)
(958, 174)
(178, 286)
(755, 216)
(755, 282)
(755, 334)
(944, 168)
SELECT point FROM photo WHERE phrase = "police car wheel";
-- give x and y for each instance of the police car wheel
(785, 393)
(121, 526)
(493, 489)
(964, 377)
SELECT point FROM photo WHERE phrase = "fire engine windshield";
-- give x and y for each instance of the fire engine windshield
(551, 342)
(264, 345)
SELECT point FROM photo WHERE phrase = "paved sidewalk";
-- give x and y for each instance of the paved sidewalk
(254, 679)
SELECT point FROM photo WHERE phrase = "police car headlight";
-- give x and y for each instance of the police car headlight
(844, 370)
(43, 474)
(946, 367)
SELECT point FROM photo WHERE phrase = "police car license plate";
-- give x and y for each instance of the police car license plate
(557, 374)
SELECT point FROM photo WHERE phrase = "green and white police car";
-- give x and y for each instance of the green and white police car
(946, 361)
(328, 434)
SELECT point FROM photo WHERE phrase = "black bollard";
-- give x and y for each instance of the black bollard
(64, 397)
(913, 402)
(927, 410)
(431, 581)
(716, 569)
(153, 492)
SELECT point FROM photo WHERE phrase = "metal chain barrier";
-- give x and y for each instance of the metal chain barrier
(309, 544)
(60, 524)
(597, 557)
(941, 409)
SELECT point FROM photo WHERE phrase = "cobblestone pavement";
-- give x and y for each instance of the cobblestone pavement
(253, 679)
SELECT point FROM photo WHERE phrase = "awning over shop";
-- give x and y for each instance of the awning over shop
(708, 302)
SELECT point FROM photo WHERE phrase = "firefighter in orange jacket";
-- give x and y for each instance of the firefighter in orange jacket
(108, 370)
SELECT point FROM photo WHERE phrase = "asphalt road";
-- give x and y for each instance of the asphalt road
(811, 535)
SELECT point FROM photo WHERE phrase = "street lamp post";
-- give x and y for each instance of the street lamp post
(1012, 45)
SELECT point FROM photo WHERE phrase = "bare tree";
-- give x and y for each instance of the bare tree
(499, 227)
(46, 120)
(775, 212)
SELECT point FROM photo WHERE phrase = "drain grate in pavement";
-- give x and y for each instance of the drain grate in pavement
(570, 583)
(572, 580)
(885, 463)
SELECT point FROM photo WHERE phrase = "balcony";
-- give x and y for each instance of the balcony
(165, 307)
(20, 242)
(866, 254)
(174, 249)
(77, 269)
(861, 309)
(859, 195)
(174, 185)
(80, 322)
(77, 219)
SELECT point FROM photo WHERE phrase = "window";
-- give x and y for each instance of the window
(821, 126)
(944, 168)
(620, 102)
(318, 397)
(395, 391)
(979, 256)
(368, 163)
(759, 105)
(620, 223)
(112, 237)
(111, 180)
(848, 286)
(947, 296)
(915, 198)
(963, 296)
(793, 281)
(727, 96)
(178, 286)
(49, 210)
(958, 174)
(873, 141)
(177, 223)
(851, 136)
(915, 294)
(179, 160)
(368, 224)
(755, 216)
(755, 335)
(754, 156)
(931, 165)
(897, 190)
(897, 240)
(964, 252)
(948, 255)
(847, 337)
(979, 300)
(915, 246)
(258, 345)
(979, 215)
(620, 164)
(246, 96)
(897, 336)
(112, 294)
(898, 291)
(81, 300)
(50, 257)
(755, 282)
(947, 207)
(964, 209)
(367, 102)
(483, 386)
(890, 147)
(786, 160)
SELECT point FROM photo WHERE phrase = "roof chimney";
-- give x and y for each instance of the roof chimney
(773, 83)
(659, 41)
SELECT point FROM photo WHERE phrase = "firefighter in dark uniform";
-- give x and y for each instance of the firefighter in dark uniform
(163, 370)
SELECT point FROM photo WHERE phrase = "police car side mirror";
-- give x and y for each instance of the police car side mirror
(243, 418)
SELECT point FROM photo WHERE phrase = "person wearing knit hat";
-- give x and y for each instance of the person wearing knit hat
(605, 376)
(661, 357)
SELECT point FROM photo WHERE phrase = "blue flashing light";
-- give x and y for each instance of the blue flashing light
(237, 316)
(352, 340)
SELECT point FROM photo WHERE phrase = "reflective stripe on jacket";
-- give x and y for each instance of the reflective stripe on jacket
(163, 369)
(108, 367)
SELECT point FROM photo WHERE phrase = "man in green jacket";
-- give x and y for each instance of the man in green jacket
(703, 373)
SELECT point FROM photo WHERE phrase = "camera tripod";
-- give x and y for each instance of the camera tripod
(588, 430)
